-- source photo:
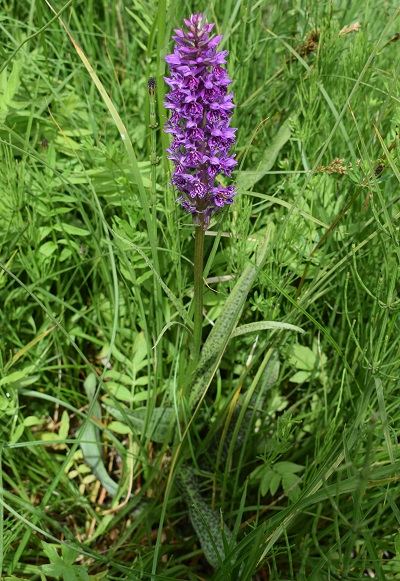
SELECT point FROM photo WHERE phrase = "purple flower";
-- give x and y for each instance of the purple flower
(201, 111)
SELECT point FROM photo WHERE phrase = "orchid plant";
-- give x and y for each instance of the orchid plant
(202, 137)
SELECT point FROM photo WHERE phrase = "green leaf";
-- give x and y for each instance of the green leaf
(51, 553)
(19, 430)
(270, 374)
(16, 376)
(247, 179)
(119, 391)
(287, 468)
(52, 570)
(32, 421)
(48, 248)
(13, 81)
(159, 425)
(99, 576)
(69, 555)
(81, 571)
(300, 377)
(302, 357)
(139, 350)
(28, 380)
(69, 574)
(141, 279)
(397, 544)
(220, 334)
(64, 427)
(256, 474)
(74, 230)
(274, 483)
(119, 428)
(268, 477)
(91, 444)
(66, 253)
(289, 480)
(264, 325)
(118, 376)
(212, 533)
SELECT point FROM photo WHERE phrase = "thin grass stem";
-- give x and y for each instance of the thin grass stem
(153, 203)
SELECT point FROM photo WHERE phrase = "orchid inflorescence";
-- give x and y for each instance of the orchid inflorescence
(201, 114)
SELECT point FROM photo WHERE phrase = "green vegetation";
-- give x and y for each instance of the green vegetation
(277, 458)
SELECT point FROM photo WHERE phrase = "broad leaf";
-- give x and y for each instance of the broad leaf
(212, 533)
(159, 425)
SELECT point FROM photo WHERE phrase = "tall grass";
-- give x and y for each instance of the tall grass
(279, 460)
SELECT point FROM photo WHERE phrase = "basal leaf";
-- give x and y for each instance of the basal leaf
(206, 522)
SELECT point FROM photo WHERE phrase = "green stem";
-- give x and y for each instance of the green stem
(153, 197)
(198, 290)
(153, 151)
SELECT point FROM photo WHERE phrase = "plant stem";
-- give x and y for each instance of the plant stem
(153, 197)
(198, 290)
(153, 152)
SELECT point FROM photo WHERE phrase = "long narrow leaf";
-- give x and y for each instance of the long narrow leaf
(247, 179)
(264, 325)
(91, 443)
(220, 334)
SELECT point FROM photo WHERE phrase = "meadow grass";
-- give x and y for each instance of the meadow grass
(277, 457)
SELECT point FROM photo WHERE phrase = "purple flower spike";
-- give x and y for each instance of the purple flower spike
(201, 111)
